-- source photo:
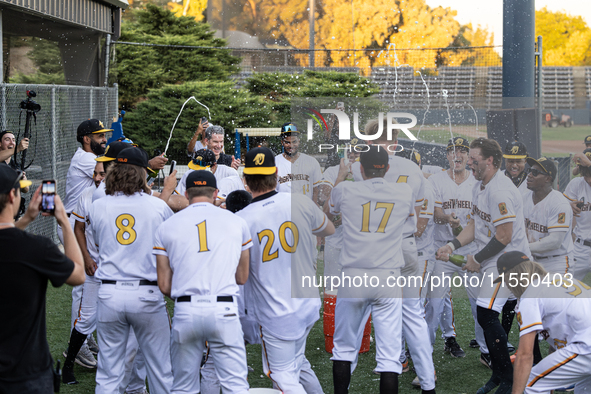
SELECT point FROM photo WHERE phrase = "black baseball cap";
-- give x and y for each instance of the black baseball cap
(288, 129)
(113, 150)
(238, 200)
(11, 179)
(259, 161)
(375, 158)
(202, 159)
(587, 140)
(458, 142)
(508, 261)
(547, 165)
(91, 126)
(133, 155)
(201, 178)
(515, 150)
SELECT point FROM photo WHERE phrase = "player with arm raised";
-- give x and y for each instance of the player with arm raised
(497, 226)
(124, 223)
(202, 257)
(373, 213)
(414, 326)
(284, 227)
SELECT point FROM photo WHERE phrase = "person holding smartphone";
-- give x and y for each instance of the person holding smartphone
(28, 262)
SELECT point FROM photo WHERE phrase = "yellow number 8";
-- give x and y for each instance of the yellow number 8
(125, 229)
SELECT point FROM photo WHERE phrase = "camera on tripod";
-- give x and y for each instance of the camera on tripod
(29, 104)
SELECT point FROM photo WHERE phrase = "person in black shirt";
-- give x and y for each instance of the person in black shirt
(27, 262)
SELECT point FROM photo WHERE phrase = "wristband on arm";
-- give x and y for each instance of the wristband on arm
(454, 244)
(493, 247)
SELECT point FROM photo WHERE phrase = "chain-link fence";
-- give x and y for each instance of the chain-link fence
(53, 131)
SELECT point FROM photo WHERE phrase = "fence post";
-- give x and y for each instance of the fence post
(4, 107)
(91, 113)
(53, 148)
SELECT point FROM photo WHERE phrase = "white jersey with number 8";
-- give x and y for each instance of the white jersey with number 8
(124, 228)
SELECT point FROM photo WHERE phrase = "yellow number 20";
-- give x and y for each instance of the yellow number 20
(270, 235)
(125, 228)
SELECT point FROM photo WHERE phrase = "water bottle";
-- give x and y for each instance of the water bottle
(458, 259)
(456, 231)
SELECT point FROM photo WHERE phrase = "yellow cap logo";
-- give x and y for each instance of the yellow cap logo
(101, 124)
(542, 159)
(199, 158)
(514, 150)
(259, 159)
(459, 141)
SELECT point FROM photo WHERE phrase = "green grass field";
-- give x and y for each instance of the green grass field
(453, 375)
(574, 133)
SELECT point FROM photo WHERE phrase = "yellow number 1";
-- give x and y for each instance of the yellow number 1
(202, 230)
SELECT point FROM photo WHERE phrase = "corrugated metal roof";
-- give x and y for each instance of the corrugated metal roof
(97, 15)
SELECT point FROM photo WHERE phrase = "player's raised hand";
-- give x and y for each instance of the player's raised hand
(235, 163)
(576, 207)
(170, 181)
(443, 253)
(157, 162)
(454, 221)
(23, 145)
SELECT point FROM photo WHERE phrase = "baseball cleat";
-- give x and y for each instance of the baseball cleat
(510, 347)
(487, 388)
(84, 358)
(416, 383)
(405, 367)
(453, 347)
(474, 344)
(92, 345)
(485, 360)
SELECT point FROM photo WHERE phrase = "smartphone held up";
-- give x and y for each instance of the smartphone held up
(48, 196)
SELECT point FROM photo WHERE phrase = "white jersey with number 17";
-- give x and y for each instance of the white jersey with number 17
(124, 228)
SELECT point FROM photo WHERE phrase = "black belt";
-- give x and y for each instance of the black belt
(220, 299)
(549, 257)
(586, 243)
(143, 282)
(68, 214)
(412, 235)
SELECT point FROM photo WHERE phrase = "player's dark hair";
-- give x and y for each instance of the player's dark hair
(584, 171)
(203, 191)
(261, 183)
(126, 178)
(527, 267)
(3, 201)
(372, 127)
(488, 148)
(107, 164)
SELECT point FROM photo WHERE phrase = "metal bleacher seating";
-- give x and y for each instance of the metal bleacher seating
(588, 82)
(494, 88)
(558, 85)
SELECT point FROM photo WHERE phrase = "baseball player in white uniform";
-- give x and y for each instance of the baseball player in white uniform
(548, 218)
(203, 278)
(414, 326)
(578, 191)
(558, 307)
(453, 208)
(283, 227)
(91, 136)
(297, 172)
(124, 223)
(85, 323)
(372, 239)
(497, 226)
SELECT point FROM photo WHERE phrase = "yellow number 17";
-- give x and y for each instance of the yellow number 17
(387, 206)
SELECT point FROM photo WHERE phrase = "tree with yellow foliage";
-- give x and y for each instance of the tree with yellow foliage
(567, 38)
(194, 8)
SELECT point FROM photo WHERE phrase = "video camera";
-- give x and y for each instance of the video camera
(29, 104)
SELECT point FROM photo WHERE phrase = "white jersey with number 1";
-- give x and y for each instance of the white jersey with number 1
(124, 228)
(284, 248)
(207, 265)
